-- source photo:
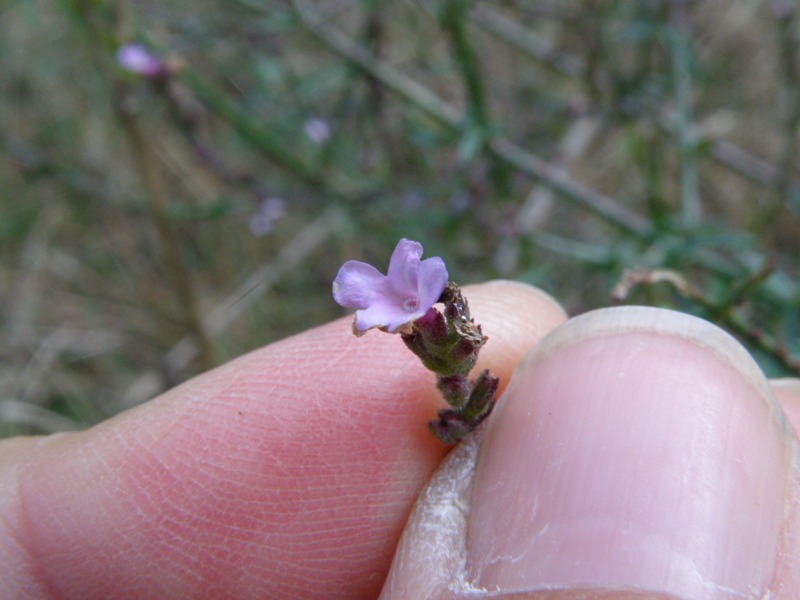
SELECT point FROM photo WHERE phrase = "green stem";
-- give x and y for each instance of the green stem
(422, 98)
(453, 17)
(157, 200)
(687, 145)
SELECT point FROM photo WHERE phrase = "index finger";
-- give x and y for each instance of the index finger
(290, 469)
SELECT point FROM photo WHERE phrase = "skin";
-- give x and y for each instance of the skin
(287, 473)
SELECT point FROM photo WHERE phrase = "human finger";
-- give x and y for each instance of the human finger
(636, 453)
(287, 472)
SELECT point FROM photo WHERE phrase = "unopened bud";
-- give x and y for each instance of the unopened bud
(455, 389)
(449, 427)
(481, 399)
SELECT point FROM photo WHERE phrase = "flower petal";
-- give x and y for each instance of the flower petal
(432, 280)
(383, 314)
(404, 267)
(358, 285)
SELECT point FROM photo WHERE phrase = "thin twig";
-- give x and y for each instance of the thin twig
(453, 18)
(721, 312)
(726, 153)
(562, 182)
(633, 278)
(680, 53)
(20, 412)
(524, 39)
(217, 321)
(252, 131)
(391, 78)
(513, 155)
(155, 189)
(790, 63)
(576, 140)
(156, 195)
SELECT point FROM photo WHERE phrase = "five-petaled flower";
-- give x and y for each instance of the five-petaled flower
(391, 301)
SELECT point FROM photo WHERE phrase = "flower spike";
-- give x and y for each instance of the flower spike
(447, 342)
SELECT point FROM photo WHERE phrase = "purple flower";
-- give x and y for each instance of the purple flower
(409, 290)
(317, 130)
(269, 210)
(137, 59)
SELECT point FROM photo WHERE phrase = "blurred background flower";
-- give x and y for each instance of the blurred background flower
(317, 130)
(269, 211)
(136, 59)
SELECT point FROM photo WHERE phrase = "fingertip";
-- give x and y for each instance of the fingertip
(512, 299)
(515, 316)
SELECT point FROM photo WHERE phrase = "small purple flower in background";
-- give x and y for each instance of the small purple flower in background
(269, 210)
(405, 294)
(459, 202)
(317, 130)
(138, 59)
(413, 200)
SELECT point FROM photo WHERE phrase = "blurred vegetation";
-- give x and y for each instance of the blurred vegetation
(154, 227)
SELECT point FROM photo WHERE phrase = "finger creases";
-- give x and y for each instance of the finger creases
(636, 451)
(286, 473)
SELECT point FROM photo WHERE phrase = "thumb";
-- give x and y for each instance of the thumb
(636, 453)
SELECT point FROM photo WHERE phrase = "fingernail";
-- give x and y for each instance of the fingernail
(787, 391)
(635, 448)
